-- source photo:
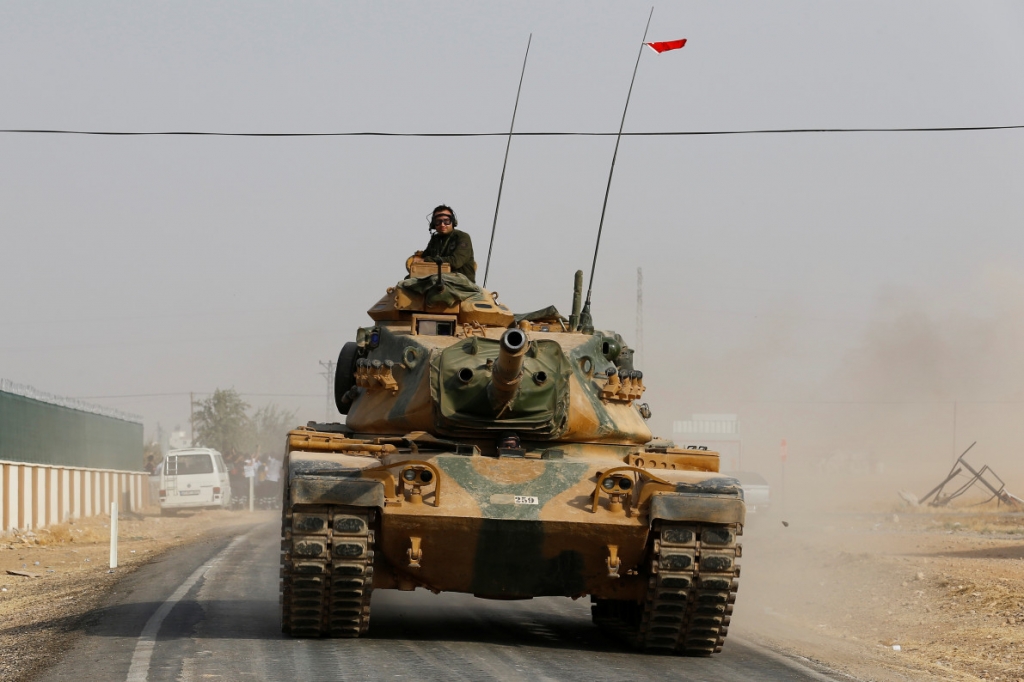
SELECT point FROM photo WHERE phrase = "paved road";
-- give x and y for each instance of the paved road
(210, 612)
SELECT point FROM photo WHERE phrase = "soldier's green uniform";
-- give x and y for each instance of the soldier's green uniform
(456, 249)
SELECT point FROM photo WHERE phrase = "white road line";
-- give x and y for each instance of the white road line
(139, 670)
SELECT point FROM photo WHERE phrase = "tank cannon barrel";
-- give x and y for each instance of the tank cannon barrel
(507, 372)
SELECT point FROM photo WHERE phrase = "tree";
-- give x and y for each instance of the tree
(269, 426)
(221, 423)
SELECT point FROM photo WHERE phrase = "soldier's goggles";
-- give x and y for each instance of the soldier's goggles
(442, 220)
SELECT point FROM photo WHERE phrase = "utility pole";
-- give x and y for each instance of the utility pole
(639, 316)
(329, 376)
(191, 420)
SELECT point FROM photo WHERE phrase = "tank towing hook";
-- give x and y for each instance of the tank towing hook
(415, 552)
(613, 561)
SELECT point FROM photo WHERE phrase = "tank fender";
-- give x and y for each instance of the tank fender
(333, 478)
(714, 500)
(350, 491)
(697, 508)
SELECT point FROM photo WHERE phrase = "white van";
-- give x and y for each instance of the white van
(193, 478)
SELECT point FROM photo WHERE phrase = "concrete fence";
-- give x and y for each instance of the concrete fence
(37, 495)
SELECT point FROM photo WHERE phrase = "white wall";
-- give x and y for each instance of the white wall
(37, 495)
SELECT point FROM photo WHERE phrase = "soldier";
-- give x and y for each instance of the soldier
(450, 245)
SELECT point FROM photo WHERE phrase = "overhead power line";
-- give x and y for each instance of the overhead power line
(184, 393)
(669, 133)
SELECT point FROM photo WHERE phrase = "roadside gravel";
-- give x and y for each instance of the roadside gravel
(70, 576)
(914, 595)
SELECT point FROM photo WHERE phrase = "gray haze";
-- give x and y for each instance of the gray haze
(841, 291)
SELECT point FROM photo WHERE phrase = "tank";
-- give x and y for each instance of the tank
(505, 456)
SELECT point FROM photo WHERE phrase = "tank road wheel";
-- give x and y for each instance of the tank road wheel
(326, 571)
(691, 590)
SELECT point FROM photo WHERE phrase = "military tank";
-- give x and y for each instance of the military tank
(505, 456)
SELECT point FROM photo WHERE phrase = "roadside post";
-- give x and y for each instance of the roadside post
(113, 534)
(250, 473)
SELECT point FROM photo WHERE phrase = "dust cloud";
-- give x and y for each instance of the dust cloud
(867, 406)
(870, 407)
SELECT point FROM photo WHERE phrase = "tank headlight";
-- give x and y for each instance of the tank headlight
(417, 475)
(617, 487)
(617, 483)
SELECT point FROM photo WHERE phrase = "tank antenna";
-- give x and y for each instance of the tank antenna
(508, 145)
(586, 321)
(639, 318)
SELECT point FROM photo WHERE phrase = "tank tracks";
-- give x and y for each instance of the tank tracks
(326, 571)
(693, 577)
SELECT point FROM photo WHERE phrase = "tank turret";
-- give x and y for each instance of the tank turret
(462, 364)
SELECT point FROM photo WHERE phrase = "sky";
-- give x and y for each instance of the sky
(848, 292)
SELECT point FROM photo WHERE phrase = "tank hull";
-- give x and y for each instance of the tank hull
(536, 523)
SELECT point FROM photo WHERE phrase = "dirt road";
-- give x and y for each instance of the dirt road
(210, 611)
(913, 595)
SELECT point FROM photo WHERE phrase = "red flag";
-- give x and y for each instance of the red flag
(667, 45)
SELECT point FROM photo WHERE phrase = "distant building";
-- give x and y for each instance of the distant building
(718, 432)
(179, 439)
(61, 458)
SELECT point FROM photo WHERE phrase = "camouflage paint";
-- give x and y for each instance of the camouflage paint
(510, 562)
(463, 408)
(497, 499)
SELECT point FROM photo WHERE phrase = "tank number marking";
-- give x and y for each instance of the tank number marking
(501, 498)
